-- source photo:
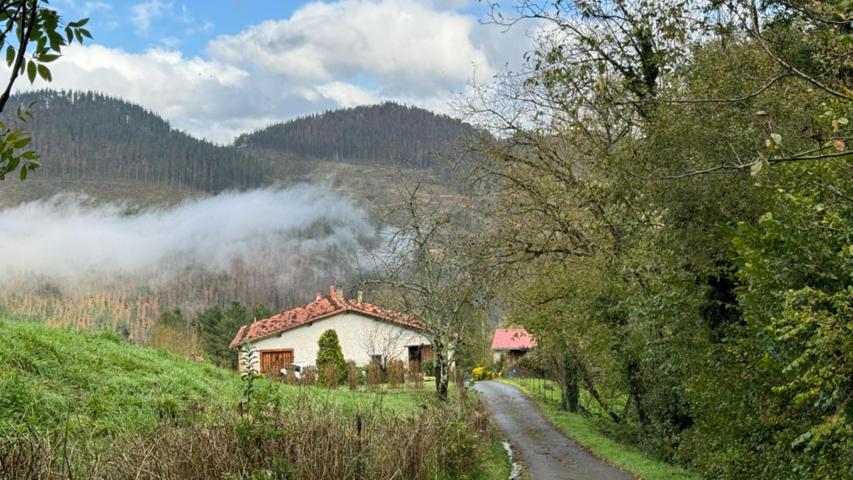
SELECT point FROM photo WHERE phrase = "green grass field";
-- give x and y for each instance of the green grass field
(99, 390)
(584, 430)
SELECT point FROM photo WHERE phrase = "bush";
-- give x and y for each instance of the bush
(396, 373)
(309, 376)
(428, 367)
(482, 373)
(374, 375)
(331, 377)
(414, 376)
(329, 353)
(290, 377)
(353, 376)
(450, 443)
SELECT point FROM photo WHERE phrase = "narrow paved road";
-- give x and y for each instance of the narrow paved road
(546, 452)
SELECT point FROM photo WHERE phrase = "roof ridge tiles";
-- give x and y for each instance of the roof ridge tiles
(320, 308)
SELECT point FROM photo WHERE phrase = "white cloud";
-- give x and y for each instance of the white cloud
(89, 7)
(406, 46)
(348, 95)
(207, 98)
(453, 3)
(145, 12)
(326, 55)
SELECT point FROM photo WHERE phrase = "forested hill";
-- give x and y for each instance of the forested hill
(92, 136)
(388, 133)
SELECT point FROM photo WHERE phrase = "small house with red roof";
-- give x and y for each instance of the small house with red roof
(366, 333)
(511, 344)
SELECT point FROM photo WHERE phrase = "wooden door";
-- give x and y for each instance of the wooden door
(272, 361)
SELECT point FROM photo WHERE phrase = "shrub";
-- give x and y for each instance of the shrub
(353, 374)
(482, 373)
(414, 376)
(309, 376)
(331, 377)
(374, 375)
(290, 377)
(448, 442)
(329, 352)
(396, 373)
(428, 367)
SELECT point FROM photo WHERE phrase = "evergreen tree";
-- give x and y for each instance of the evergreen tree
(330, 354)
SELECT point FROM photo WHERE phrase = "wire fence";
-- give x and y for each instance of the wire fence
(537, 384)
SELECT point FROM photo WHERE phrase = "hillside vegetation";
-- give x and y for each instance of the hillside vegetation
(90, 405)
(113, 150)
(92, 136)
(389, 133)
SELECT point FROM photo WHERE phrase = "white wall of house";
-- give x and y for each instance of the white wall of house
(360, 337)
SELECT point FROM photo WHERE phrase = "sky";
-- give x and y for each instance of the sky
(217, 68)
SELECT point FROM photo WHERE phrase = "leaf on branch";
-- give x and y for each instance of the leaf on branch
(839, 145)
(79, 23)
(47, 58)
(44, 73)
(31, 71)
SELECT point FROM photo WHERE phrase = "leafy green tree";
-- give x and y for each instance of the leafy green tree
(217, 326)
(329, 353)
(670, 204)
(33, 36)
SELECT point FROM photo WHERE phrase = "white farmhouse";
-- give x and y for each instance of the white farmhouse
(366, 333)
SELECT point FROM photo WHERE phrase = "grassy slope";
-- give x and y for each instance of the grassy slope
(583, 430)
(97, 380)
(106, 383)
(98, 384)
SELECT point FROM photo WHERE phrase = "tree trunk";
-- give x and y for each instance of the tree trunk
(637, 390)
(571, 393)
(590, 387)
(442, 370)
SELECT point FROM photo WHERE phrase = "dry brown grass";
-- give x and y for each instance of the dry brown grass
(353, 374)
(414, 376)
(374, 375)
(310, 442)
(396, 373)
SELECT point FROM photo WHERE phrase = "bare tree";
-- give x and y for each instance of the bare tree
(427, 263)
(384, 340)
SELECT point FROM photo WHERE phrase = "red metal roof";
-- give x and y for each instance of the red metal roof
(320, 308)
(512, 339)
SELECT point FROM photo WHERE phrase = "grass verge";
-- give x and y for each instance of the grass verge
(583, 429)
(496, 465)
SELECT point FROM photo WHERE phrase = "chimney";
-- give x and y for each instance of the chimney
(360, 296)
(319, 297)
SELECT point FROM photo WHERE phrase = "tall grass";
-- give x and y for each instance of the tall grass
(308, 441)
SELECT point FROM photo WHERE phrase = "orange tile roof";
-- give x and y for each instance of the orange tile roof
(320, 308)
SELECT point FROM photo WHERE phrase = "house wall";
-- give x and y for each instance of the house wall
(360, 337)
(510, 356)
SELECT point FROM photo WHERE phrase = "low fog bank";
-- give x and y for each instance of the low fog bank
(280, 239)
